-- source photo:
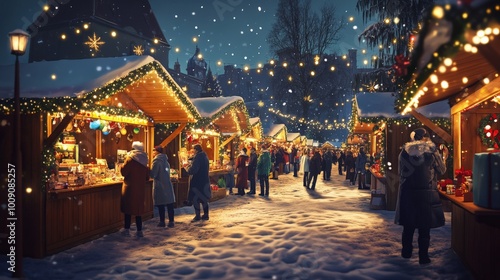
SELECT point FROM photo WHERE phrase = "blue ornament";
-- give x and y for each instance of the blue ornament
(95, 124)
(105, 132)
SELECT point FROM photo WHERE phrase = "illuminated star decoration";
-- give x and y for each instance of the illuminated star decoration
(138, 50)
(372, 86)
(94, 43)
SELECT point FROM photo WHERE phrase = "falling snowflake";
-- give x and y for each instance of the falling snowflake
(138, 50)
(372, 86)
(94, 43)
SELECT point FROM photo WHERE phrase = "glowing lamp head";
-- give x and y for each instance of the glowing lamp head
(18, 41)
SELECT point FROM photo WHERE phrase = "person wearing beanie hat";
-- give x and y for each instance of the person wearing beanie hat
(199, 184)
(135, 172)
(163, 190)
(419, 205)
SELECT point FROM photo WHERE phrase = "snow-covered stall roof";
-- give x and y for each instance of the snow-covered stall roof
(291, 136)
(254, 121)
(276, 131)
(310, 142)
(229, 114)
(97, 79)
(381, 104)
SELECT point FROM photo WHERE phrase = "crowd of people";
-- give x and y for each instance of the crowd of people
(250, 166)
(418, 205)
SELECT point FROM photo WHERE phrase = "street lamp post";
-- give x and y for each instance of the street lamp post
(18, 43)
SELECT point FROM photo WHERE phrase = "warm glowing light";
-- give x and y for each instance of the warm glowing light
(486, 81)
(246, 68)
(313, 73)
(77, 31)
(261, 103)
(113, 33)
(465, 80)
(271, 62)
(396, 20)
(365, 62)
(332, 68)
(85, 26)
(53, 76)
(351, 18)
(63, 36)
(290, 78)
(259, 65)
(46, 8)
(177, 49)
(152, 50)
(387, 21)
(271, 73)
(363, 51)
(434, 79)
(285, 64)
(442, 69)
(219, 63)
(156, 40)
(301, 64)
(29, 190)
(200, 56)
(195, 39)
(448, 61)
(344, 56)
(444, 84)
(438, 12)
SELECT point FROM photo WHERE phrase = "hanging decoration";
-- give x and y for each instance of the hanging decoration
(138, 50)
(94, 43)
(489, 131)
(136, 130)
(401, 65)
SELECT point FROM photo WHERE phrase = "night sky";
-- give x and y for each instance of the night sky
(229, 31)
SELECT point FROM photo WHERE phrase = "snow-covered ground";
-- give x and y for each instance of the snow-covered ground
(293, 234)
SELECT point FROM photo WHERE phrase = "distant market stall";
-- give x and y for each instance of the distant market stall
(375, 119)
(293, 138)
(224, 120)
(276, 133)
(79, 119)
(254, 135)
(456, 59)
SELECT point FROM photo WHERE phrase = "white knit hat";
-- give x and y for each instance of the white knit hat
(137, 145)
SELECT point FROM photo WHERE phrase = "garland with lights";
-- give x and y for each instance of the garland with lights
(238, 105)
(477, 18)
(490, 135)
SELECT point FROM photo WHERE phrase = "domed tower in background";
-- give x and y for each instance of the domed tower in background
(197, 66)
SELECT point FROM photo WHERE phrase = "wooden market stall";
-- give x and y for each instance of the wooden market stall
(456, 59)
(276, 133)
(254, 135)
(293, 138)
(374, 116)
(79, 119)
(224, 120)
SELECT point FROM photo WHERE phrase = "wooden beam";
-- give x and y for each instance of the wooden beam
(173, 135)
(51, 139)
(229, 139)
(438, 130)
(491, 53)
(485, 93)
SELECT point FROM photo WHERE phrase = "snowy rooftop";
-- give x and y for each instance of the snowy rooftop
(67, 77)
(381, 104)
(254, 121)
(290, 136)
(210, 106)
(273, 130)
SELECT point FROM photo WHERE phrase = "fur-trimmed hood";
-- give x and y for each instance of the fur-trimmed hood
(419, 148)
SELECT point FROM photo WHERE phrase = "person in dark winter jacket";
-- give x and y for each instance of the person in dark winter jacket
(360, 168)
(349, 167)
(314, 170)
(419, 205)
(252, 167)
(341, 161)
(294, 160)
(135, 172)
(199, 185)
(163, 190)
(327, 162)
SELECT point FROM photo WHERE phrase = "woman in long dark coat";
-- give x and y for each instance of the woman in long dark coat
(242, 169)
(349, 167)
(314, 170)
(135, 174)
(419, 205)
(199, 185)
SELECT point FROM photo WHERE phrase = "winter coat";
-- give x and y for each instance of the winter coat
(360, 163)
(252, 165)
(341, 159)
(304, 163)
(328, 160)
(135, 175)
(293, 155)
(418, 203)
(199, 185)
(349, 162)
(264, 163)
(242, 178)
(315, 164)
(163, 190)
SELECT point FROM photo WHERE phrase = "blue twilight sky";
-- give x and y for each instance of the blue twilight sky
(236, 35)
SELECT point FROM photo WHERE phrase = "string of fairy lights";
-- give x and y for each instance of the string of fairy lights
(482, 26)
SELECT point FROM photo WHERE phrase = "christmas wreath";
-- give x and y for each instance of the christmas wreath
(489, 131)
